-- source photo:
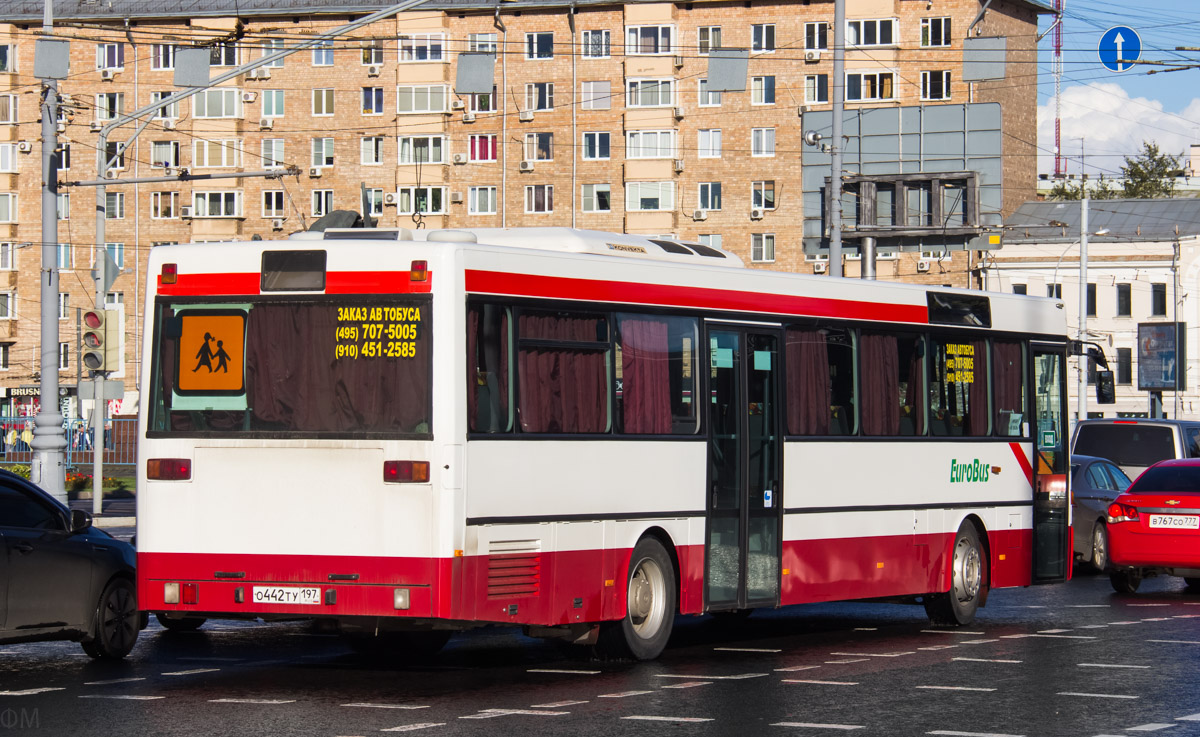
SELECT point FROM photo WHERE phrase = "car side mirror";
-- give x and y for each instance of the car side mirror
(80, 521)
(1105, 390)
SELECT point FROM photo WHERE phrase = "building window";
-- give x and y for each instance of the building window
(272, 153)
(640, 40)
(712, 240)
(114, 299)
(596, 95)
(649, 196)
(422, 47)
(7, 308)
(1158, 300)
(762, 142)
(482, 42)
(710, 196)
(214, 154)
(114, 205)
(762, 90)
(1124, 366)
(164, 205)
(374, 201)
(4, 348)
(762, 247)
(422, 150)
(8, 157)
(539, 146)
(64, 156)
(426, 98)
(869, 86)
(596, 146)
(162, 56)
(650, 92)
(322, 54)
(371, 150)
(116, 251)
(109, 105)
(1054, 291)
(710, 143)
(8, 58)
(423, 200)
(935, 85)
(322, 202)
(762, 37)
(539, 96)
(372, 101)
(597, 44)
(372, 52)
(6, 256)
(8, 108)
(816, 88)
(322, 152)
(110, 56)
(164, 153)
(709, 39)
(64, 305)
(935, 31)
(481, 201)
(708, 98)
(222, 102)
(1091, 300)
(322, 101)
(64, 356)
(597, 198)
(879, 32)
(483, 102)
(62, 206)
(650, 144)
(1124, 301)
(762, 195)
(539, 45)
(224, 55)
(8, 207)
(539, 198)
(271, 46)
(272, 103)
(65, 256)
(1020, 289)
(166, 112)
(114, 155)
(217, 204)
(482, 147)
(272, 203)
(816, 36)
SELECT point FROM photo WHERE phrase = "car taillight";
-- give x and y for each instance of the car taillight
(169, 469)
(418, 271)
(405, 472)
(1121, 513)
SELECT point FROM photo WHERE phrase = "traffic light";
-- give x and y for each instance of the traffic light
(101, 340)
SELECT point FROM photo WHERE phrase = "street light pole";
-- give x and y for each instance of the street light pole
(1081, 413)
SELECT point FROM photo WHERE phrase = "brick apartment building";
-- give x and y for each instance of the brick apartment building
(600, 119)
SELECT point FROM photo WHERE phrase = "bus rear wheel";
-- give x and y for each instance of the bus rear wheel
(968, 581)
(650, 606)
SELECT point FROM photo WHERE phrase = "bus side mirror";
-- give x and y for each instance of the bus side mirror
(1106, 393)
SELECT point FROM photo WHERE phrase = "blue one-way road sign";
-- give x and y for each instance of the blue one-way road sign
(1119, 48)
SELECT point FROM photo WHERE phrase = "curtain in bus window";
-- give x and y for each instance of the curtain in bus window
(1009, 383)
(809, 396)
(562, 376)
(958, 396)
(880, 384)
(645, 377)
(487, 369)
(912, 383)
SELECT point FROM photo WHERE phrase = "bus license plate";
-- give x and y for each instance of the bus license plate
(1175, 521)
(287, 595)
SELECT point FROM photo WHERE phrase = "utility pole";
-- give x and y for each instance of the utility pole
(1081, 412)
(835, 151)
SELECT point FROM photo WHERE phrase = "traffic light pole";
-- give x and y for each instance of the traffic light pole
(99, 401)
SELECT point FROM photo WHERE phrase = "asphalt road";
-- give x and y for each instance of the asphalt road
(1075, 659)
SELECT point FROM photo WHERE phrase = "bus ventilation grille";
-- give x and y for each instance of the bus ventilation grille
(514, 568)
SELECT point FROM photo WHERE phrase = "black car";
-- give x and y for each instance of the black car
(1095, 482)
(61, 578)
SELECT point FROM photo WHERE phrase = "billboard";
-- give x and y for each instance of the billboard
(1161, 345)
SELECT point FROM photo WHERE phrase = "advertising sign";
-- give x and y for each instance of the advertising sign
(1161, 348)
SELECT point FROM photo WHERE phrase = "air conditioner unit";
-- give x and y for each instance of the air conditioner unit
(314, 172)
(468, 117)
(812, 55)
(526, 165)
(373, 70)
(389, 198)
(700, 215)
(96, 125)
(266, 123)
(24, 146)
(678, 113)
(456, 196)
(277, 224)
(922, 266)
(62, 127)
(678, 61)
(249, 96)
(107, 74)
(261, 73)
(112, 173)
(820, 267)
(678, 165)
(169, 124)
(457, 104)
(525, 116)
(757, 213)
(460, 158)
(185, 212)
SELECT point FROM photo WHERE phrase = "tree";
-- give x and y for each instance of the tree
(1065, 189)
(1151, 174)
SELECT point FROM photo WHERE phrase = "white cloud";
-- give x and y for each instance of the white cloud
(1113, 126)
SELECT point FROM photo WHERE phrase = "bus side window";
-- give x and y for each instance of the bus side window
(1008, 386)
(655, 364)
(564, 372)
(958, 394)
(489, 369)
(820, 381)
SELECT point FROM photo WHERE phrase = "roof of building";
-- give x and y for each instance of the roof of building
(31, 10)
(1119, 220)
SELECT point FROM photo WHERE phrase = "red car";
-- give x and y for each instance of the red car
(1154, 526)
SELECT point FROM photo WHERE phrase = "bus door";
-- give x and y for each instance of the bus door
(1051, 503)
(743, 548)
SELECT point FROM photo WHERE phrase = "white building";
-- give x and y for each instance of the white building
(1143, 266)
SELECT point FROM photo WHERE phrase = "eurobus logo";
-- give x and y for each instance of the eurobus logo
(967, 472)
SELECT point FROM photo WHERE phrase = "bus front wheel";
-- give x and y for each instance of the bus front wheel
(968, 581)
(650, 606)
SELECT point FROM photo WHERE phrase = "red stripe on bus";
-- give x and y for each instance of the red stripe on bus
(336, 282)
(530, 285)
(197, 285)
(1019, 452)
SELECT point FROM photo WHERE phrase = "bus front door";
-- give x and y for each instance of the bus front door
(1051, 503)
(743, 548)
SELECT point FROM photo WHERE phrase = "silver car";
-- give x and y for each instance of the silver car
(1095, 482)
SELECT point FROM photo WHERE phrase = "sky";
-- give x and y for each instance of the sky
(1107, 115)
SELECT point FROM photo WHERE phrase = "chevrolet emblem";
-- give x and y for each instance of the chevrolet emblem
(1173, 502)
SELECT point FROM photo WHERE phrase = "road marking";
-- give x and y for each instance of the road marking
(954, 688)
(30, 691)
(192, 672)
(492, 713)
(388, 706)
(1156, 619)
(821, 683)
(986, 660)
(566, 671)
(1185, 616)
(977, 642)
(865, 629)
(1152, 727)
(1052, 632)
(738, 677)
(122, 697)
(1110, 665)
(1177, 642)
(1058, 637)
(952, 733)
(951, 632)
(1148, 604)
(1124, 622)
(414, 727)
(814, 725)
(557, 704)
(623, 694)
(878, 655)
(747, 650)
(668, 719)
(1089, 606)
(937, 647)
(1093, 627)
(689, 684)
(115, 680)
(848, 660)
(251, 701)
(1097, 695)
(796, 667)
(1189, 718)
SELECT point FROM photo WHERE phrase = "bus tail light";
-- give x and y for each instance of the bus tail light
(405, 472)
(419, 271)
(169, 469)
(190, 593)
(1122, 513)
(181, 593)
(170, 274)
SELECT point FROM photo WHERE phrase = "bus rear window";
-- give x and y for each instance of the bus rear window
(334, 369)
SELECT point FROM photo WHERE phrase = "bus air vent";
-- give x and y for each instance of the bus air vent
(514, 568)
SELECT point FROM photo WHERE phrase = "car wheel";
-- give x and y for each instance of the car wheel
(1099, 547)
(115, 624)
(968, 581)
(649, 603)
(180, 624)
(1126, 580)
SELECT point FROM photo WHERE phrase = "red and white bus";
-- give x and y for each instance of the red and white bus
(584, 433)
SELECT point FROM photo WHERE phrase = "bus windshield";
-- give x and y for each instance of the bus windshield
(292, 366)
